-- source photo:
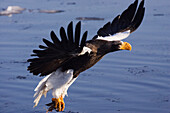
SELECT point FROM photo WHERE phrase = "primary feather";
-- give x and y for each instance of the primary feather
(56, 53)
(130, 20)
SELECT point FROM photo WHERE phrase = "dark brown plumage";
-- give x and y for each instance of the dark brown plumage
(63, 60)
(62, 52)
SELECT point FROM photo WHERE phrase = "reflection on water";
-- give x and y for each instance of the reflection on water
(127, 82)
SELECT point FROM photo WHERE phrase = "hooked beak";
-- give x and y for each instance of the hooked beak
(125, 46)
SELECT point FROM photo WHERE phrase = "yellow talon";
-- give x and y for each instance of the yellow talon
(59, 104)
(62, 103)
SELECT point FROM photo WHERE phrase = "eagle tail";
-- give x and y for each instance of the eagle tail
(40, 90)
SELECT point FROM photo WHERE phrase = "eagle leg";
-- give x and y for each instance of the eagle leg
(57, 104)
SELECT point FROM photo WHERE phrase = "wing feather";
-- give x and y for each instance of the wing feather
(83, 41)
(54, 38)
(105, 30)
(130, 19)
(77, 33)
(56, 53)
(70, 32)
(138, 18)
(114, 24)
(42, 47)
(49, 44)
(63, 37)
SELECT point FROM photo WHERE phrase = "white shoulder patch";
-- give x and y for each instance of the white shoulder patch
(85, 49)
(115, 37)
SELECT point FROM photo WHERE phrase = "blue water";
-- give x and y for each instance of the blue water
(122, 82)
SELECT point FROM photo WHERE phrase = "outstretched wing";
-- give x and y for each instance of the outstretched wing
(57, 52)
(123, 24)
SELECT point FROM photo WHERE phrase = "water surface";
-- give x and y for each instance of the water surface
(122, 82)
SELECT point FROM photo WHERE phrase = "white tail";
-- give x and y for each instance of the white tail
(41, 90)
(58, 81)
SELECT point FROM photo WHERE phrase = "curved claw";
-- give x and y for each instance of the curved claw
(57, 104)
(62, 104)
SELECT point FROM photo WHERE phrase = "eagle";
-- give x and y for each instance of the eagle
(63, 59)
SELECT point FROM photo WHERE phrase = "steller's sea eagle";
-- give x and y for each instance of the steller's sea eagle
(61, 61)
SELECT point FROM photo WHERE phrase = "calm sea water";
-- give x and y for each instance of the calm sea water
(122, 82)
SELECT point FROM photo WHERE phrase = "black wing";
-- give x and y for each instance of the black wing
(130, 19)
(56, 53)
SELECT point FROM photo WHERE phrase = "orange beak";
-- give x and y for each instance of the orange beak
(125, 46)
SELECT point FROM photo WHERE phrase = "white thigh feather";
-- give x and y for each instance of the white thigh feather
(57, 81)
